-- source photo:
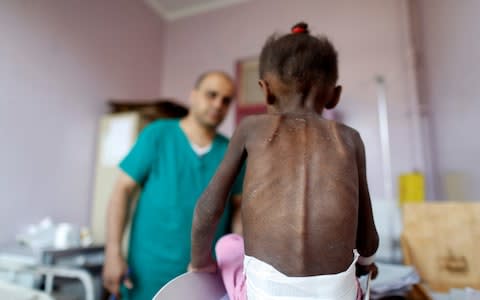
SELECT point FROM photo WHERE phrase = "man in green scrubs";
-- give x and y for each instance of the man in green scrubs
(172, 161)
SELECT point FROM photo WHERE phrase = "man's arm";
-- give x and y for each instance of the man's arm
(367, 236)
(115, 266)
(211, 205)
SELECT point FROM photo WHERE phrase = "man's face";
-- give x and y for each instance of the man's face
(210, 101)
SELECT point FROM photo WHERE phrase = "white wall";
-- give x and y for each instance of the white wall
(59, 63)
(450, 72)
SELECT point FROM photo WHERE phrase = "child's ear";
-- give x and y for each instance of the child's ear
(335, 97)
(267, 93)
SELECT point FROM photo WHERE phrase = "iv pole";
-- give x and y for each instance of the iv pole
(384, 137)
(386, 154)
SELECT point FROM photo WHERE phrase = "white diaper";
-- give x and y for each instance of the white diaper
(264, 282)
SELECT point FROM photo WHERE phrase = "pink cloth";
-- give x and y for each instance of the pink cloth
(230, 253)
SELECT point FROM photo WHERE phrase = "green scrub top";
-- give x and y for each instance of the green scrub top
(172, 177)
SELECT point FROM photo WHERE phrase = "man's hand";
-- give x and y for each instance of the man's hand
(364, 270)
(115, 272)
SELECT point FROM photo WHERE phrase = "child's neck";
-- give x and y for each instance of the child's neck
(298, 104)
(295, 111)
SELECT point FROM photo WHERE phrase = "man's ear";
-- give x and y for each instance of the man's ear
(335, 97)
(267, 92)
(195, 94)
(192, 96)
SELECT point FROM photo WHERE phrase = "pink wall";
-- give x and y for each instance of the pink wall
(450, 69)
(372, 37)
(59, 62)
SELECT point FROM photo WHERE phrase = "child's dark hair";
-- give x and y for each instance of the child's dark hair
(300, 59)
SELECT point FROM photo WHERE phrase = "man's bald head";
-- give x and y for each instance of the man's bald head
(204, 75)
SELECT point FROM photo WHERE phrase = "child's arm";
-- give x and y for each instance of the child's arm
(237, 215)
(211, 205)
(367, 236)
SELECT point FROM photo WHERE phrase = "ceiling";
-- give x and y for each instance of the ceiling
(175, 9)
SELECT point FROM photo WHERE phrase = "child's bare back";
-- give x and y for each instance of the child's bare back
(301, 193)
(305, 205)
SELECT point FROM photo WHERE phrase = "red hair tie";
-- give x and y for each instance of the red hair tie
(298, 29)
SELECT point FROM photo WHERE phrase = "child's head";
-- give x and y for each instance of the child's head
(300, 64)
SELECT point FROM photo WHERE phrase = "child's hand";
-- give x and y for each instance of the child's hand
(364, 270)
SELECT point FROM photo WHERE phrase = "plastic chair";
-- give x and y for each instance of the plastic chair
(195, 286)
